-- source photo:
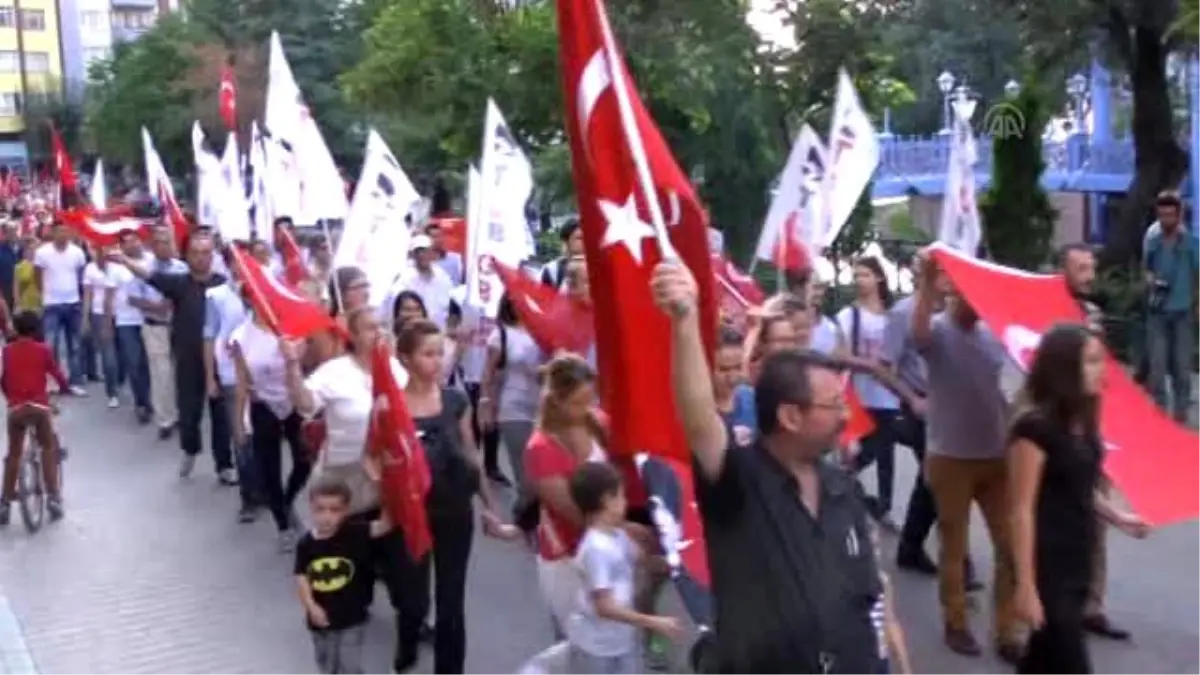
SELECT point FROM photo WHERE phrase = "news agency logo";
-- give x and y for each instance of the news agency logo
(1003, 120)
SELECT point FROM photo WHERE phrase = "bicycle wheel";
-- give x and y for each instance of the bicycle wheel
(32, 493)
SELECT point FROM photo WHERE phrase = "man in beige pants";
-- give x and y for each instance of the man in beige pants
(156, 332)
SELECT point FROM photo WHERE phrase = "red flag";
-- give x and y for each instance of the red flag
(392, 438)
(227, 101)
(180, 227)
(454, 233)
(1151, 458)
(284, 310)
(680, 531)
(611, 135)
(104, 228)
(295, 271)
(554, 320)
(859, 423)
(68, 180)
(791, 253)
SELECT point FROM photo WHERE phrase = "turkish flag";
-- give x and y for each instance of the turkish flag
(1151, 458)
(454, 233)
(104, 228)
(68, 180)
(295, 271)
(737, 291)
(285, 311)
(180, 227)
(392, 439)
(610, 133)
(227, 100)
(859, 423)
(791, 253)
(554, 320)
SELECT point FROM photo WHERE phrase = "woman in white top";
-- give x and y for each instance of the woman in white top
(99, 294)
(262, 397)
(511, 390)
(863, 323)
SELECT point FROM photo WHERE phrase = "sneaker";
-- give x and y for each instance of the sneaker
(186, 466)
(77, 390)
(114, 402)
(247, 514)
(227, 477)
(143, 416)
(5, 513)
(287, 541)
(54, 507)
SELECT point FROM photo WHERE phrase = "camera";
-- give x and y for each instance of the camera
(1159, 290)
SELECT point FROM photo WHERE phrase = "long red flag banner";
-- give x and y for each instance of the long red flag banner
(1152, 459)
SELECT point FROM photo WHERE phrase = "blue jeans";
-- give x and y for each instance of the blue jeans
(104, 342)
(1170, 339)
(63, 321)
(249, 484)
(133, 364)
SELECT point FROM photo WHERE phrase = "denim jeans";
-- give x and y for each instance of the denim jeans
(132, 364)
(1170, 339)
(63, 321)
(104, 342)
(243, 455)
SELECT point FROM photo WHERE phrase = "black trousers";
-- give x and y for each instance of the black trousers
(192, 397)
(489, 440)
(407, 581)
(879, 448)
(267, 437)
(921, 515)
(1060, 645)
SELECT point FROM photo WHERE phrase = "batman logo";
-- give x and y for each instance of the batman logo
(330, 574)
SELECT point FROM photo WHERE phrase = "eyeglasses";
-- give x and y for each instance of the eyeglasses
(840, 405)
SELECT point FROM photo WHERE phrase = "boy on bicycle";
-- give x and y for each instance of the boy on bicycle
(27, 362)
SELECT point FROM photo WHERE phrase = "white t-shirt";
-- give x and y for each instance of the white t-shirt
(342, 389)
(871, 327)
(60, 272)
(125, 284)
(268, 369)
(224, 312)
(100, 282)
(825, 335)
(435, 291)
(606, 560)
(520, 391)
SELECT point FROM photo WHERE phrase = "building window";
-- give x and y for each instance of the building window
(7, 17)
(10, 104)
(92, 54)
(94, 19)
(33, 19)
(37, 62)
(133, 20)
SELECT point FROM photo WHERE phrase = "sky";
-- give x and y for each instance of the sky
(769, 26)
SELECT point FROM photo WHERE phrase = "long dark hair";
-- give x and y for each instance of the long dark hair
(400, 298)
(872, 263)
(1054, 387)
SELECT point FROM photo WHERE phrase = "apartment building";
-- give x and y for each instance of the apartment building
(92, 27)
(42, 65)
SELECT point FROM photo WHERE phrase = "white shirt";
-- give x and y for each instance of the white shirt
(127, 284)
(606, 560)
(520, 389)
(60, 272)
(871, 327)
(268, 369)
(224, 312)
(342, 389)
(825, 336)
(100, 282)
(435, 291)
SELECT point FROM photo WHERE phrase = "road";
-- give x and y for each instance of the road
(151, 574)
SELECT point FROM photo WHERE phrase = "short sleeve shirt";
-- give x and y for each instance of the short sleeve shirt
(546, 458)
(340, 572)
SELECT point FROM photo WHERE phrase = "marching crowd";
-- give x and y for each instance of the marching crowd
(792, 539)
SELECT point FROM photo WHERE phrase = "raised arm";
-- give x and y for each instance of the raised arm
(675, 292)
(925, 305)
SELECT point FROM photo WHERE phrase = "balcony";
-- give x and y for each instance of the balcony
(134, 4)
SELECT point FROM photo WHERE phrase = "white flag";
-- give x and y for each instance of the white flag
(798, 200)
(502, 234)
(233, 219)
(960, 227)
(156, 174)
(98, 192)
(210, 185)
(375, 237)
(853, 156)
(304, 155)
(260, 201)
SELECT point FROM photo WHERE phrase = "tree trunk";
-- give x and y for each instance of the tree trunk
(1159, 162)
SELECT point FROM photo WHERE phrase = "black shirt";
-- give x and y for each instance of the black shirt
(188, 296)
(340, 571)
(792, 592)
(453, 480)
(1065, 515)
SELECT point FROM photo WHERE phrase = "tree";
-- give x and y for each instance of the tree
(1018, 220)
(51, 107)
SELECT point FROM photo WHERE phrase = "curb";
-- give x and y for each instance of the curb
(15, 658)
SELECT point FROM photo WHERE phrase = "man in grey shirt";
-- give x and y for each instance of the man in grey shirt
(967, 420)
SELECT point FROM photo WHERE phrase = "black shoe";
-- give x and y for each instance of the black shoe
(1010, 652)
(426, 634)
(247, 514)
(915, 560)
(165, 432)
(143, 416)
(1098, 624)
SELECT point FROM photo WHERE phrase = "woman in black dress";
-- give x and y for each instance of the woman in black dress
(1055, 456)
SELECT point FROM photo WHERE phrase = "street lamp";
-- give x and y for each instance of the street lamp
(1012, 88)
(945, 84)
(1077, 89)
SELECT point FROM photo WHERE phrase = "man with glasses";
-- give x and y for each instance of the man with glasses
(789, 546)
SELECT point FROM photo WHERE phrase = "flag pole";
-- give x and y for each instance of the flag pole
(616, 69)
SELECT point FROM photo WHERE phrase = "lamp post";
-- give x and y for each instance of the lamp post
(1077, 90)
(945, 84)
(1012, 89)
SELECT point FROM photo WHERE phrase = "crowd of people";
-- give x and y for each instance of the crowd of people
(792, 537)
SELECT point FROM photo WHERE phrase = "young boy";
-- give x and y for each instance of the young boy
(603, 630)
(335, 574)
(27, 363)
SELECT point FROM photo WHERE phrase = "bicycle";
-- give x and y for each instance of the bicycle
(32, 491)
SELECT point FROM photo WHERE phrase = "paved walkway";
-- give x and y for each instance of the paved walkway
(148, 574)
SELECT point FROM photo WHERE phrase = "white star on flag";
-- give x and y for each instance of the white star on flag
(625, 226)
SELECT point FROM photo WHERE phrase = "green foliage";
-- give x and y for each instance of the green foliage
(47, 108)
(1018, 221)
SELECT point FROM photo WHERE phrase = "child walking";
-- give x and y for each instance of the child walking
(336, 579)
(603, 630)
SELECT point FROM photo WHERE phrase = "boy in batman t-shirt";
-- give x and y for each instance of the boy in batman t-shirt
(336, 579)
